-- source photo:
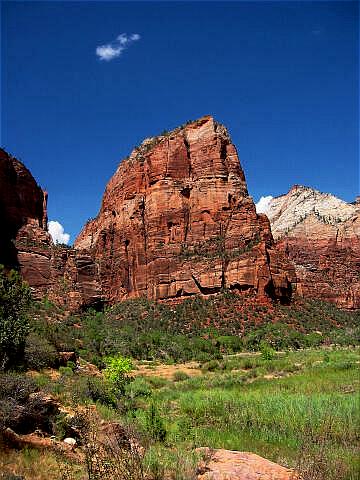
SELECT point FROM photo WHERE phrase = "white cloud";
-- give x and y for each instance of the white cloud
(114, 49)
(57, 233)
(263, 204)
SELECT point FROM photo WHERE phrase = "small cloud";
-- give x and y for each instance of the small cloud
(114, 49)
(57, 233)
(262, 205)
(316, 31)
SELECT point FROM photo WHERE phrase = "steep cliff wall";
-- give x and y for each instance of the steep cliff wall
(176, 220)
(63, 274)
(321, 235)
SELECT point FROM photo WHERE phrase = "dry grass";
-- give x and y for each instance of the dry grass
(34, 465)
(167, 371)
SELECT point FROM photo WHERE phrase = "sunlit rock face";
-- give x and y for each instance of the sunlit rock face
(321, 235)
(177, 220)
(66, 276)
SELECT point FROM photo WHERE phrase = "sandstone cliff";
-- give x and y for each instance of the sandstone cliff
(321, 235)
(176, 220)
(66, 276)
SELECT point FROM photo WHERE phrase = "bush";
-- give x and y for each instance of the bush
(97, 390)
(117, 373)
(180, 376)
(15, 299)
(16, 386)
(267, 353)
(66, 371)
(155, 425)
(39, 353)
(229, 344)
(211, 366)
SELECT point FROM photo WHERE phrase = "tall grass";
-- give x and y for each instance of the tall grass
(299, 420)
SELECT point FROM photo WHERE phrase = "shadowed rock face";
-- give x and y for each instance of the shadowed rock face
(176, 220)
(65, 275)
(22, 202)
(321, 235)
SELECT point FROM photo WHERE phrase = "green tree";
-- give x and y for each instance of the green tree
(117, 373)
(15, 298)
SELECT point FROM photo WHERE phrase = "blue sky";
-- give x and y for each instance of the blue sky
(282, 76)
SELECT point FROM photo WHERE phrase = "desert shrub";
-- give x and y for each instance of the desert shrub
(229, 344)
(267, 353)
(66, 371)
(39, 353)
(138, 388)
(210, 366)
(95, 389)
(154, 423)
(157, 382)
(16, 386)
(110, 454)
(180, 376)
(15, 299)
(11, 476)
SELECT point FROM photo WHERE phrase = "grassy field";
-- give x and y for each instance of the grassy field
(221, 373)
(300, 409)
(295, 406)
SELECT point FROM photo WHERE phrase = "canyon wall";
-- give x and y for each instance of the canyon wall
(66, 276)
(177, 220)
(321, 235)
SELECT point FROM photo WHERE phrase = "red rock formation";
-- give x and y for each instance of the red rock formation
(321, 235)
(228, 464)
(176, 220)
(65, 275)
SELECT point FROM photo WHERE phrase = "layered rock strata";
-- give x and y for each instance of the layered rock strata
(321, 235)
(177, 220)
(65, 275)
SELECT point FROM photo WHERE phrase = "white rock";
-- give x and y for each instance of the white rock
(287, 211)
(70, 441)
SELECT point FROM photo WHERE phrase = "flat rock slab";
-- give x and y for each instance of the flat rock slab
(234, 465)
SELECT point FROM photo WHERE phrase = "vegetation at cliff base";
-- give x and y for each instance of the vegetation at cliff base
(159, 381)
(15, 299)
(196, 329)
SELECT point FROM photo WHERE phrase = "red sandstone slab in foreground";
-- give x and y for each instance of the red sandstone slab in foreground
(234, 465)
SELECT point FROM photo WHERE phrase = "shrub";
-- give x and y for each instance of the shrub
(267, 353)
(229, 343)
(97, 390)
(15, 299)
(210, 366)
(66, 371)
(180, 376)
(16, 386)
(155, 425)
(39, 353)
(117, 373)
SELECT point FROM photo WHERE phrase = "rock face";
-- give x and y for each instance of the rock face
(176, 220)
(22, 202)
(227, 464)
(321, 235)
(66, 276)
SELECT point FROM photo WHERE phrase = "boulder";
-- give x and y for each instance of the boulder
(234, 465)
